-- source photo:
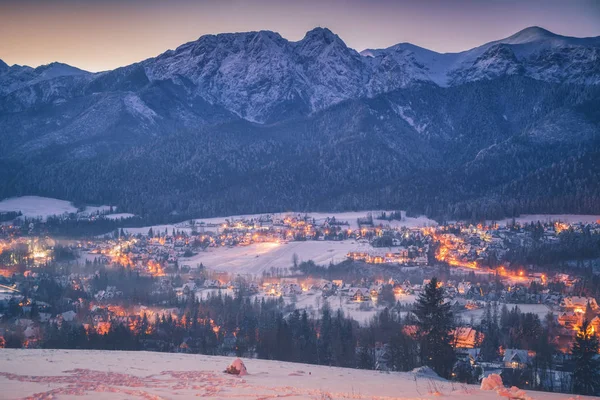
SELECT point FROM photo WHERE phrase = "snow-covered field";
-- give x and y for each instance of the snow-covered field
(351, 217)
(37, 207)
(353, 310)
(93, 210)
(313, 302)
(566, 218)
(182, 227)
(119, 216)
(258, 257)
(539, 309)
(44, 207)
(80, 374)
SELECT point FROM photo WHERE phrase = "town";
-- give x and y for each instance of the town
(173, 288)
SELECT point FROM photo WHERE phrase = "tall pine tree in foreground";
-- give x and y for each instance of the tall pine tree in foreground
(435, 322)
(490, 346)
(586, 376)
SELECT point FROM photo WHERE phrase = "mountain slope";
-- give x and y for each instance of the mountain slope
(533, 52)
(416, 147)
(262, 77)
(251, 122)
(16, 77)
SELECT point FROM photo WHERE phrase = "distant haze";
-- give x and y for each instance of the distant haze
(100, 35)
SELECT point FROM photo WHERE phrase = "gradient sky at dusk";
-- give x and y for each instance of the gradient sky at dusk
(98, 35)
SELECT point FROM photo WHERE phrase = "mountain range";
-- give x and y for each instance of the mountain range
(252, 122)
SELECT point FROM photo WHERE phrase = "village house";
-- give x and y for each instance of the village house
(358, 294)
(290, 289)
(212, 284)
(517, 359)
(578, 304)
(68, 316)
(466, 337)
(463, 287)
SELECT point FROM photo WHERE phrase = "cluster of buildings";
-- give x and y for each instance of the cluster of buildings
(157, 253)
(398, 255)
(469, 246)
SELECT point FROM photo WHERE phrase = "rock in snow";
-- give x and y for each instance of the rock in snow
(491, 382)
(514, 393)
(237, 367)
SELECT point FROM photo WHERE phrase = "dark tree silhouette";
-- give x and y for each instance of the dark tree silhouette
(586, 376)
(435, 322)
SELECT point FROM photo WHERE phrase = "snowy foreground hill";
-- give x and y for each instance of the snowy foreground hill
(78, 374)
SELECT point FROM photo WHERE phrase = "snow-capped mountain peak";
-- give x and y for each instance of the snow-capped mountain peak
(320, 34)
(263, 77)
(322, 42)
(528, 35)
(56, 69)
(15, 77)
(534, 52)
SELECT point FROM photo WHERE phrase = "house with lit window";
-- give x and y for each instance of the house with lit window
(569, 319)
(517, 359)
(466, 337)
(578, 303)
(358, 294)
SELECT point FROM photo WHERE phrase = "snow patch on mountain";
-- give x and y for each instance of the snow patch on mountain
(136, 106)
(408, 115)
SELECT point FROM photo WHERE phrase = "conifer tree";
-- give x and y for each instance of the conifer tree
(435, 322)
(490, 346)
(586, 376)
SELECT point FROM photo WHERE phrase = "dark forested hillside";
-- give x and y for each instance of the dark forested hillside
(488, 149)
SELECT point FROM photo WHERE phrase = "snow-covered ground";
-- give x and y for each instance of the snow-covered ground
(37, 207)
(351, 217)
(357, 311)
(566, 218)
(539, 309)
(182, 227)
(119, 216)
(258, 257)
(44, 207)
(93, 210)
(114, 375)
(313, 301)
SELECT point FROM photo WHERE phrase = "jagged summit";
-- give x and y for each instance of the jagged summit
(321, 34)
(262, 77)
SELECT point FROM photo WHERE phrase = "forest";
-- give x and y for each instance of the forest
(470, 163)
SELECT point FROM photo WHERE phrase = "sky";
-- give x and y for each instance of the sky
(98, 35)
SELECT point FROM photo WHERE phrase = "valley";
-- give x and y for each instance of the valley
(254, 214)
